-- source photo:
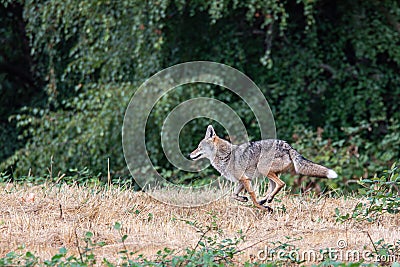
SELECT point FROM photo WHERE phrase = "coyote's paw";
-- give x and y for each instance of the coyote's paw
(269, 209)
(240, 198)
(262, 202)
(268, 199)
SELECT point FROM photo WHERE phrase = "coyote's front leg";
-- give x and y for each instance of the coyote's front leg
(247, 185)
(239, 188)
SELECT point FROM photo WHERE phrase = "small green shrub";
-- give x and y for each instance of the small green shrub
(15, 259)
(382, 254)
(383, 196)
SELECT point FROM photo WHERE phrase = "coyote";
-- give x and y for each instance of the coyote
(241, 163)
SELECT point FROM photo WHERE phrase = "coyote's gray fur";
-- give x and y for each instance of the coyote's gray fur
(241, 163)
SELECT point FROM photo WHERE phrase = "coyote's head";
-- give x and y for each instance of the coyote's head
(207, 147)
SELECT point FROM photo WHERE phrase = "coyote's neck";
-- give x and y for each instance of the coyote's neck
(222, 156)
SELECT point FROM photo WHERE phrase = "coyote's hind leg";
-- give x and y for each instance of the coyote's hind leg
(239, 188)
(247, 185)
(271, 187)
(279, 185)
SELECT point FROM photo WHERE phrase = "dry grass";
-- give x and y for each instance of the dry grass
(45, 218)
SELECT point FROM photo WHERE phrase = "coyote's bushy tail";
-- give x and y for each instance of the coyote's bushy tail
(307, 167)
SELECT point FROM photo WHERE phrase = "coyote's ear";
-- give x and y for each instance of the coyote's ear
(210, 132)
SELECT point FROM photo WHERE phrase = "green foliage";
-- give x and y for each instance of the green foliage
(387, 252)
(382, 196)
(18, 85)
(86, 133)
(15, 259)
(382, 254)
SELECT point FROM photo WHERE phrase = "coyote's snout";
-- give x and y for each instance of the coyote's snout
(241, 163)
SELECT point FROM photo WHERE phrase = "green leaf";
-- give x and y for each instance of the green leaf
(89, 235)
(117, 226)
(63, 251)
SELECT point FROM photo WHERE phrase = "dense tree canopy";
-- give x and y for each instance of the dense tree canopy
(329, 69)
